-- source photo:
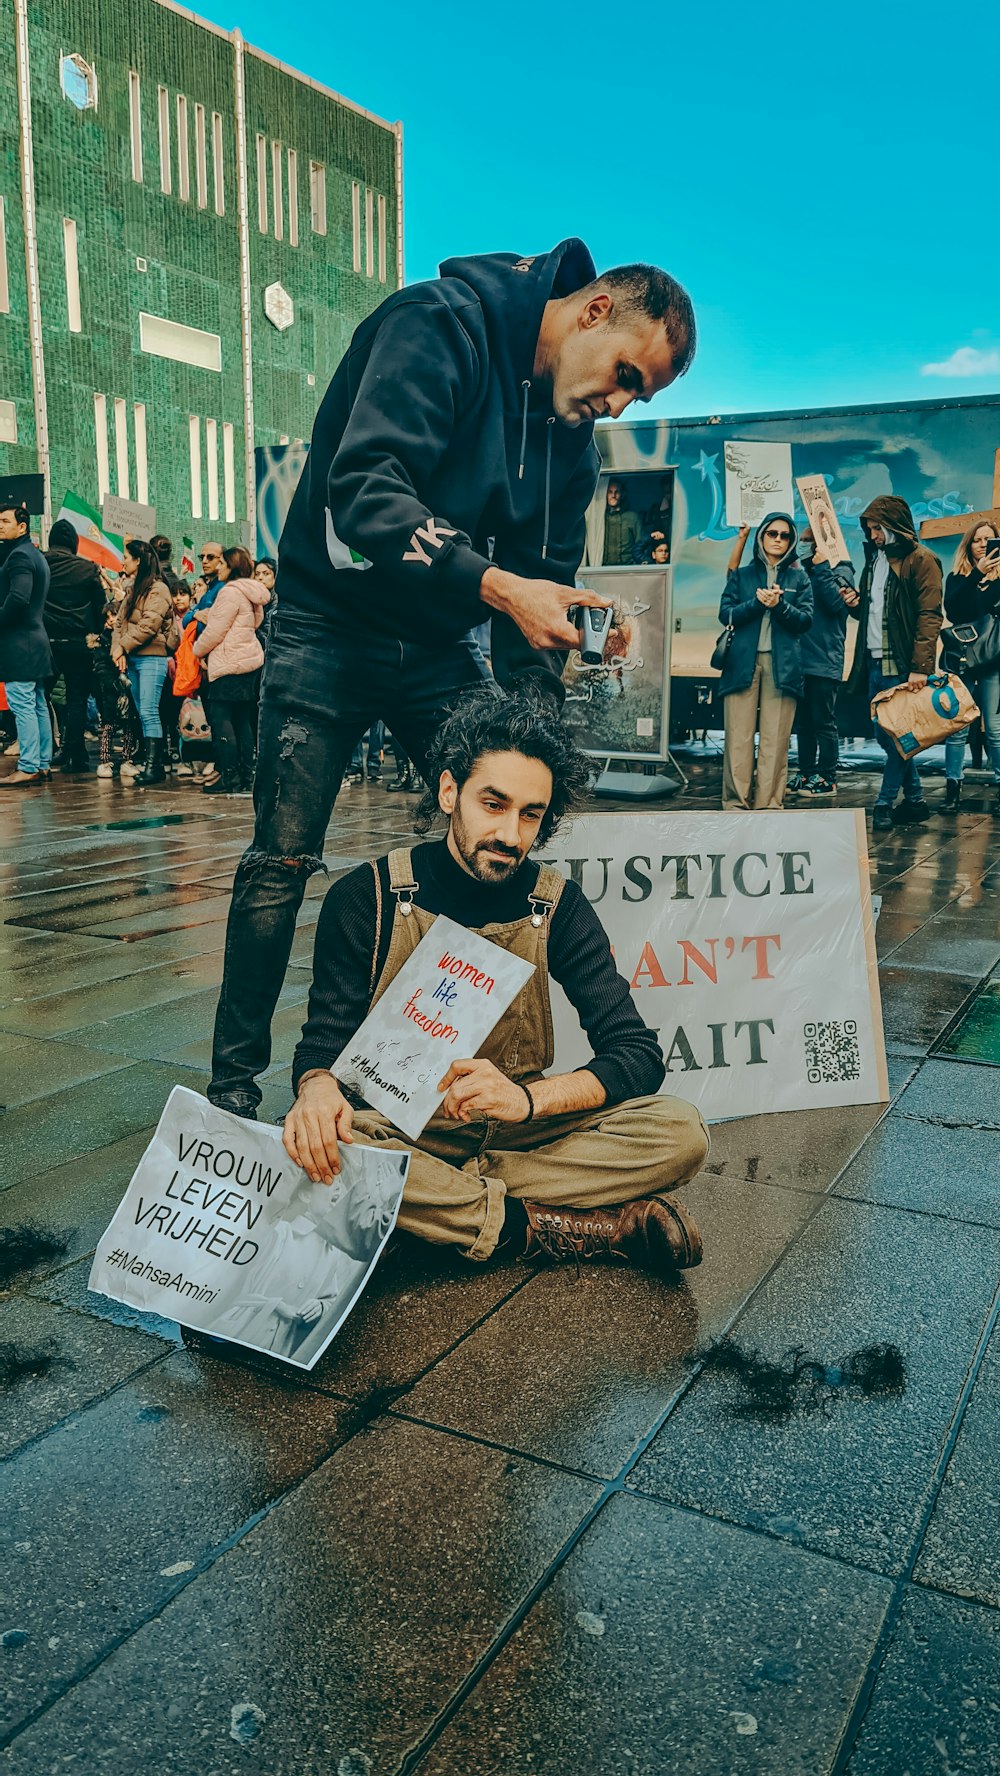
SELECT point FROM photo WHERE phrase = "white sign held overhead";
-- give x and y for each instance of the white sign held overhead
(219, 1230)
(439, 1008)
(127, 518)
(749, 945)
(758, 480)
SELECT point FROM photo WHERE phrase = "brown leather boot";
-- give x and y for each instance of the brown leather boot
(656, 1232)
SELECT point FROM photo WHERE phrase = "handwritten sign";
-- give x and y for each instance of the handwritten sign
(749, 944)
(823, 520)
(758, 480)
(219, 1230)
(440, 1008)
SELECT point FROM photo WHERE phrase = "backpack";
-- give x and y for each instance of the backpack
(187, 666)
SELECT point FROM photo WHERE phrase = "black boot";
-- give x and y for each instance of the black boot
(152, 764)
(227, 783)
(952, 795)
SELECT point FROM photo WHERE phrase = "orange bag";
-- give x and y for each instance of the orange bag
(187, 666)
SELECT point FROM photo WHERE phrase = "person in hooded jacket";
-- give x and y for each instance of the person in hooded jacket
(899, 620)
(823, 648)
(25, 654)
(230, 645)
(74, 612)
(971, 595)
(768, 605)
(450, 469)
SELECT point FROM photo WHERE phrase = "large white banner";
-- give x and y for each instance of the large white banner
(219, 1230)
(758, 480)
(749, 944)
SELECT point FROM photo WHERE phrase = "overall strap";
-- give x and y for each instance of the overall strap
(401, 880)
(545, 899)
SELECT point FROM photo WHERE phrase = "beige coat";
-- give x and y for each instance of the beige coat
(229, 638)
(145, 631)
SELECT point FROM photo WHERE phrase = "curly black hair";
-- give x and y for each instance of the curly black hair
(486, 720)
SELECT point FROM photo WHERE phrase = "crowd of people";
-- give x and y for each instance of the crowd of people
(786, 613)
(157, 671)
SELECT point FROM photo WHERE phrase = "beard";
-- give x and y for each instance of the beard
(485, 869)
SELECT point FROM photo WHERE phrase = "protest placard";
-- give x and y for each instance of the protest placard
(439, 1008)
(219, 1230)
(823, 520)
(749, 945)
(758, 480)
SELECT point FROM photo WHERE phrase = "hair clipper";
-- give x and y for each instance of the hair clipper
(593, 625)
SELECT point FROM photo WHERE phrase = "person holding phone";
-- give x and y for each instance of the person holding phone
(972, 595)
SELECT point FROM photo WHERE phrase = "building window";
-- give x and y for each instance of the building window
(163, 116)
(277, 200)
(293, 198)
(101, 442)
(369, 235)
(121, 448)
(4, 282)
(262, 183)
(183, 345)
(78, 82)
(194, 447)
(228, 472)
(135, 125)
(141, 464)
(72, 275)
(218, 169)
(212, 466)
(183, 163)
(200, 158)
(356, 224)
(381, 240)
(317, 196)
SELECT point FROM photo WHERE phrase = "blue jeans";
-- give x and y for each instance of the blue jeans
(899, 773)
(986, 691)
(324, 685)
(26, 698)
(146, 673)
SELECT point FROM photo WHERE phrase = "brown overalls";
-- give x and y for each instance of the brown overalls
(460, 1172)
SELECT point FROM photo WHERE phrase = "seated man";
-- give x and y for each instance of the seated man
(579, 1165)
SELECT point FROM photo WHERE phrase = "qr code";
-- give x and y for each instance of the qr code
(832, 1052)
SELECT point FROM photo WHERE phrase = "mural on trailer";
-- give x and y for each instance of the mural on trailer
(278, 469)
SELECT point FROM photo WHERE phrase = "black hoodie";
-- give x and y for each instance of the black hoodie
(433, 453)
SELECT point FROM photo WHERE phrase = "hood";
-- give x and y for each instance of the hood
(895, 515)
(791, 553)
(251, 590)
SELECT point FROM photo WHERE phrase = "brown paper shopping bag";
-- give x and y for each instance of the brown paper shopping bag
(918, 719)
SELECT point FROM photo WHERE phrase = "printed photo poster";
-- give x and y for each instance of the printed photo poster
(220, 1231)
(823, 520)
(758, 480)
(621, 708)
(439, 1008)
(749, 944)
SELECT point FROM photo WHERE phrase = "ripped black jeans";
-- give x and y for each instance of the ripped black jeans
(324, 684)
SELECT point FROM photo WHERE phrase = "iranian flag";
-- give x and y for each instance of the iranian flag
(95, 542)
(187, 556)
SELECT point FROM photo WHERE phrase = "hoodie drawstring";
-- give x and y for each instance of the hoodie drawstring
(549, 423)
(526, 385)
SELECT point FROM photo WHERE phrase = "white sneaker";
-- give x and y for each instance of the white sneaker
(105, 770)
(130, 768)
(210, 775)
(183, 770)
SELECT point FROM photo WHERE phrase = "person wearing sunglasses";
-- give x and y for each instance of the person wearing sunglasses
(767, 605)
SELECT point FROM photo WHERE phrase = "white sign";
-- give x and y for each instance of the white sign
(219, 1230)
(749, 944)
(823, 520)
(126, 518)
(758, 480)
(439, 1008)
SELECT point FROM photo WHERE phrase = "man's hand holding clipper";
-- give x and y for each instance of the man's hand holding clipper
(540, 608)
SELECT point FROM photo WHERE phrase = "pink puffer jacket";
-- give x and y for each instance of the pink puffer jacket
(229, 638)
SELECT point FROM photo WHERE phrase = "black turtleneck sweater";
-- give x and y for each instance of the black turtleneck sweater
(626, 1055)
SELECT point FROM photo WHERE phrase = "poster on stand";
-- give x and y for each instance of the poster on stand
(220, 1231)
(758, 480)
(621, 708)
(748, 942)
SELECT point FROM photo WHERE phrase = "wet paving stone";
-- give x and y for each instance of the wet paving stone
(68, 1287)
(940, 1171)
(961, 1550)
(804, 1148)
(77, 1120)
(31, 1069)
(751, 1656)
(953, 1092)
(917, 1006)
(82, 906)
(855, 1481)
(67, 1517)
(346, 1618)
(977, 1035)
(88, 1359)
(180, 1029)
(579, 1370)
(75, 1201)
(85, 1011)
(948, 947)
(936, 1701)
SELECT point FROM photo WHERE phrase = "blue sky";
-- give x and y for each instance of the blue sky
(824, 179)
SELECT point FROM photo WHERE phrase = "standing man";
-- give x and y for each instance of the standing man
(899, 620)
(823, 647)
(25, 654)
(451, 465)
(622, 529)
(74, 611)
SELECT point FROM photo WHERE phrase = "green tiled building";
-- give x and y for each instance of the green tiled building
(189, 234)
